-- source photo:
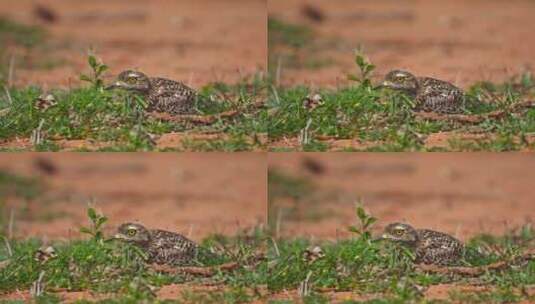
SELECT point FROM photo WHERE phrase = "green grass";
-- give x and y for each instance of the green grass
(384, 120)
(294, 35)
(386, 272)
(292, 198)
(111, 267)
(15, 185)
(294, 46)
(117, 117)
(20, 34)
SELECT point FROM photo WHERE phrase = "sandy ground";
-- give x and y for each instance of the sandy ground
(458, 41)
(193, 41)
(196, 194)
(462, 194)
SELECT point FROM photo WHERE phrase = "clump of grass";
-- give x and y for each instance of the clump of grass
(293, 35)
(25, 35)
(282, 185)
(19, 186)
(293, 46)
(286, 194)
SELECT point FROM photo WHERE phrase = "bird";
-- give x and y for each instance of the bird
(163, 95)
(430, 94)
(162, 247)
(430, 247)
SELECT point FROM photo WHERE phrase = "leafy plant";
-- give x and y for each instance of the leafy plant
(366, 222)
(366, 68)
(97, 221)
(98, 69)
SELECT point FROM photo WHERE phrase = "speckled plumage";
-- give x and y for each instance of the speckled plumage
(162, 247)
(430, 94)
(163, 95)
(430, 247)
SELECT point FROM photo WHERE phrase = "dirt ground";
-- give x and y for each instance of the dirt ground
(193, 41)
(462, 194)
(458, 41)
(196, 194)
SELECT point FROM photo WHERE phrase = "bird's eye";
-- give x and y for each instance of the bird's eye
(131, 80)
(131, 232)
(398, 232)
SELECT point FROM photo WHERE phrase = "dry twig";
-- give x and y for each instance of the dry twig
(202, 271)
(476, 271)
(202, 119)
(462, 118)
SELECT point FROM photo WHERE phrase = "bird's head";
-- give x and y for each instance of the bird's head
(398, 232)
(131, 80)
(400, 80)
(133, 233)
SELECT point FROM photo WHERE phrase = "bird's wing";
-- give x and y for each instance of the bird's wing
(166, 239)
(172, 248)
(172, 96)
(434, 88)
(435, 240)
(170, 88)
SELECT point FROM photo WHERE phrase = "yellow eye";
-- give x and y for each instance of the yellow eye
(131, 232)
(131, 80)
(398, 232)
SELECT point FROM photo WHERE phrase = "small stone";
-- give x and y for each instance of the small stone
(312, 254)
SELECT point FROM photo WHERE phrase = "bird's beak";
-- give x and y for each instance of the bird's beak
(385, 84)
(116, 85)
(383, 236)
(118, 236)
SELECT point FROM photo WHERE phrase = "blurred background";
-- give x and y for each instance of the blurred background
(312, 41)
(197, 194)
(314, 194)
(46, 42)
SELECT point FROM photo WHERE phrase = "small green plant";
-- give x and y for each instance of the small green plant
(98, 69)
(97, 222)
(366, 68)
(365, 223)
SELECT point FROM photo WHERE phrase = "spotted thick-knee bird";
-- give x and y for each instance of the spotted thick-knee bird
(163, 95)
(430, 94)
(162, 247)
(430, 247)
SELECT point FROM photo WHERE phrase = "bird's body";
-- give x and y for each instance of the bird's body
(162, 247)
(430, 94)
(438, 248)
(170, 96)
(163, 95)
(430, 247)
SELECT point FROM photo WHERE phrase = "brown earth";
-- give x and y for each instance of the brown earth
(439, 140)
(192, 193)
(458, 41)
(193, 41)
(166, 292)
(462, 194)
(173, 140)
